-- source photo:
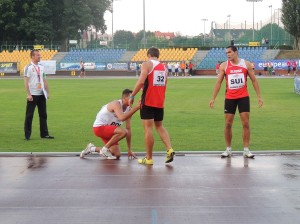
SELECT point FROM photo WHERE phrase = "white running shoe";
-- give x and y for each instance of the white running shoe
(227, 153)
(248, 154)
(107, 153)
(87, 150)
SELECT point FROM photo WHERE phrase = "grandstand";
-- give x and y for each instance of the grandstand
(216, 55)
(22, 57)
(168, 54)
(204, 60)
(94, 55)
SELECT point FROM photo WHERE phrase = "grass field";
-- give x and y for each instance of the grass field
(192, 125)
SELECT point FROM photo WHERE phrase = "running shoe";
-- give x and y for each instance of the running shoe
(170, 156)
(107, 153)
(146, 161)
(227, 153)
(248, 154)
(87, 150)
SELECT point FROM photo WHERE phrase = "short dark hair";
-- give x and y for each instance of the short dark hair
(233, 48)
(153, 52)
(32, 52)
(126, 92)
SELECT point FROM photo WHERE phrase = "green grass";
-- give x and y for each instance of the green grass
(192, 125)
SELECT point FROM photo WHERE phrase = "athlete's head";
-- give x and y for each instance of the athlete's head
(35, 56)
(126, 96)
(232, 53)
(153, 52)
(126, 92)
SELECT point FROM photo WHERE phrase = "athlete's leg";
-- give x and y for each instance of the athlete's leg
(163, 133)
(228, 128)
(119, 133)
(246, 128)
(115, 151)
(148, 133)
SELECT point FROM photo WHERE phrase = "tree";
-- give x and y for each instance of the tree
(47, 20)
(291, 19)
(122, 37)
(36, 24)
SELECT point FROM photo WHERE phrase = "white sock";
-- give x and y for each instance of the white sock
(93, 149)
(246, 149)
(228, 148)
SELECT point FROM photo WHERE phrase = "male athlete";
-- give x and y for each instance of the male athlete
(236, 70)
(107, 126)
(153, 80)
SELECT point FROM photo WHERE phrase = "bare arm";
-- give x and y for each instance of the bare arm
(131, 155)
(46, 87)
(116, 108)
(29, 97)
(254, 83)
(140, 83)
(218, 84)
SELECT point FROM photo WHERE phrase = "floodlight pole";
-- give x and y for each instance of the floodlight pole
(270, 6)
(144, 31)
(253, 15)
(204, 20)
(112, 23)
(228, 22)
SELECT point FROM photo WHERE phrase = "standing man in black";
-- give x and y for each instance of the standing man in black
(37, 93)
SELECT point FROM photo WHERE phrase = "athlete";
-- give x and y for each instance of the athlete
(236, 70)
(82, 69)
(153, 80)
(107, 126)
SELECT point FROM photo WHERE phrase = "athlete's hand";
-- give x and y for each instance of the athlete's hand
(138, 105)
(130, 102)
(131, 155)
(211, 103)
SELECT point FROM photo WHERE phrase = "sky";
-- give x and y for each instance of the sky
(186, 17)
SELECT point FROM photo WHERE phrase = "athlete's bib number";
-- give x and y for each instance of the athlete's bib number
(236, 81)
(159, 78)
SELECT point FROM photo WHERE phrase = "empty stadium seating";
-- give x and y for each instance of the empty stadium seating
(23, 57)
(168, 54)
(216, 55)
(93, 55)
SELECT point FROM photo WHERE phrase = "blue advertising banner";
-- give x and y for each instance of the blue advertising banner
(76, 66)
(278, 64)
(100, 66)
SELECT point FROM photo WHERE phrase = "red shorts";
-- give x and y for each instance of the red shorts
(105, 133)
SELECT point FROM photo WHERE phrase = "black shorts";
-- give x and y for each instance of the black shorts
(265, 69)
(155, 113)
(82, 70)
(294, 69)
(289, 68)
(243, 104)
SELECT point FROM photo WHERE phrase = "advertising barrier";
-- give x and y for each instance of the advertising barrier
(76, 66)
(277, 64)
(49, 67)
(8, 67)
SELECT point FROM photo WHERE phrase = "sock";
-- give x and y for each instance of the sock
(93, 149)
(246, 149)
(228, 148)
(169, 149)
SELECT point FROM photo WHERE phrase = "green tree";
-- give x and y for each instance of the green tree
(36, 24)
(291, 19)
(10, 19)
(47, 20)
(122, 38)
